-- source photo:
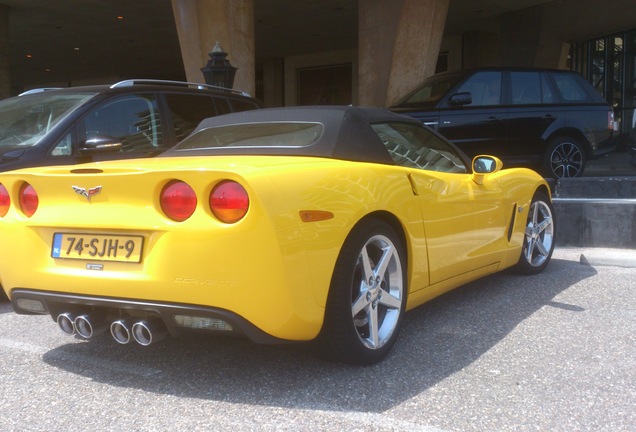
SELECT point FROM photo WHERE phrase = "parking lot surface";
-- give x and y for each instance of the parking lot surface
(553, 352)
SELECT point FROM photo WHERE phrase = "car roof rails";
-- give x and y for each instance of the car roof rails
(131, 82)
(39, 90)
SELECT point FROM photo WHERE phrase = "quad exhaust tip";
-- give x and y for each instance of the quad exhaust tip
(66, 322)
(144, 332)
(120, 331)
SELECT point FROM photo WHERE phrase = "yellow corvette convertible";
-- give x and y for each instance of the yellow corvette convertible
(321, 224)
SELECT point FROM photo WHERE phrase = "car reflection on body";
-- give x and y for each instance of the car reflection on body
(322, 224)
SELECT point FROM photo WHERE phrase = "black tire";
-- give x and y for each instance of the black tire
(538, 242)
(378, 296)
(564, 157)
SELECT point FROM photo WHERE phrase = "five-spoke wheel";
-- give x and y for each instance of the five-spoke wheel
(538, 242)
(367, 297)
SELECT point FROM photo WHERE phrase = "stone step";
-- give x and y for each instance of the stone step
(596, 187)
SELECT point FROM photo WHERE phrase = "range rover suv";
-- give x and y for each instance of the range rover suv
(550, 120)
(129, 119)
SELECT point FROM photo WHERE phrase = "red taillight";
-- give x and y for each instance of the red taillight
(610, 120)
(5, 200)
(178, 200)
(229, 201)
(28, 200)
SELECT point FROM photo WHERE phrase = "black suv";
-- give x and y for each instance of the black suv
(133, 118)
(552, 120)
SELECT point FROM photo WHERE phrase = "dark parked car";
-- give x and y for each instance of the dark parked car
(133, 118)
(552, 120)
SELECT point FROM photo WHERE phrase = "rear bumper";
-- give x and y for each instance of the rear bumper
(113, 309)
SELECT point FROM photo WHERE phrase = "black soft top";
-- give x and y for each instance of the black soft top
(347, 132)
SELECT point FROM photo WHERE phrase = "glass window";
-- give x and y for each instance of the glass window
(526, 88)
(416, 147)
(24, 120)
(242, 105)
(431, 91)
(547, 95)
(571, 91)
(484, 88)
(222, 106)
(134, 120)
(188, 111)
(64, 147)
(254, 135)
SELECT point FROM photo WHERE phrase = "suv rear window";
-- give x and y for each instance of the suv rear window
(571, 91)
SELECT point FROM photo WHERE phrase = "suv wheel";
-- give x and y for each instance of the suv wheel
(565, 157)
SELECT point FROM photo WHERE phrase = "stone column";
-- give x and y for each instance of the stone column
(5, 77)
(529, 41)
(399, 43)
(201, 23)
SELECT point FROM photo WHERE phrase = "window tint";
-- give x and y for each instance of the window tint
(416, 147)
(24, 120)
(484, 88)
(132, 119)
(242, 105)
(188, 111)
(530, 88)
(571, 91)
(64, 147)
(222, 106)
(526, 88)
(432, 90)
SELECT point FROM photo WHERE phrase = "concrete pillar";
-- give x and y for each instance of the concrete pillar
(5, 77)
(201, 23)
(399, 43)
(273, 82)
(480, 48)
(528, 41)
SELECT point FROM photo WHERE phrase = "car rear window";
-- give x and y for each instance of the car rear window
(571, 90)
(254, 135)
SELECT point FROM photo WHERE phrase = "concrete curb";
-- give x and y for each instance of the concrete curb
(595, 222)
(596, 212)
(609, 257)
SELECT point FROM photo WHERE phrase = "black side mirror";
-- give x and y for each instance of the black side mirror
(461, 99)
(96, 143)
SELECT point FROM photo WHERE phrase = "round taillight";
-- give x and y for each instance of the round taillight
(5, 200)
(229, 201)
(178, 200)
(28, 200)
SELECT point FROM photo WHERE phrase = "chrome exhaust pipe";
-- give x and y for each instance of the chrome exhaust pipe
(149, 331)
(88, 326)
(120, 331)
(66, 321)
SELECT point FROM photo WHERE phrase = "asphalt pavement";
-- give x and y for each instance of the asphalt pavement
(553, 352)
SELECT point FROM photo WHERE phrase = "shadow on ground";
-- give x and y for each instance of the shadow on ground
(437, 340)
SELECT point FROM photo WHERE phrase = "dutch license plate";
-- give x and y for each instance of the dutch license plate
(121, 248)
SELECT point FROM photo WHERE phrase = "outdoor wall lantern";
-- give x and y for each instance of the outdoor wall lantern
(218, 71)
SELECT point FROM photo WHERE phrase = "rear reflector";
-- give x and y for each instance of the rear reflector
(202, 323)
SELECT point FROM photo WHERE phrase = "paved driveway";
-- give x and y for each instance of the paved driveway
(553, 352)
